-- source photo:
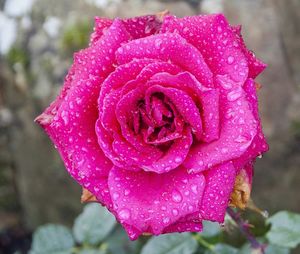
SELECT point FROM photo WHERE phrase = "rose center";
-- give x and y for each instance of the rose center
(157, 120)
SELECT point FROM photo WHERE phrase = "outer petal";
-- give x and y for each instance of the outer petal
(214, 38)
(137, 27)
(70, 120)
(151, 202)
(256, 66)
(101, 24)
(167, 47)
(219, 185)
(238, 128)
(259, 144)
(143, 26)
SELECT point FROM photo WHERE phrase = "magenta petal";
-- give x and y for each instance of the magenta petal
(167, 47)
(101, 24)
(214, 38)
(175, 155)
(237, 130)
(187, 226)
(219, 185)
(124, 109)
(256, 66)
(120, 76)
(184, 105)
(72, 127)
(207, 98)
(142, 26)
(210, 115)
(259, 144)
(150, 70)
(151, 202)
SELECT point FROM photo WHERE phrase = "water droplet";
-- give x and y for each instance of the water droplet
(219, 29)
(176, 196)
(265, 214)
(126, 192)
(115, 196)
(200, 163)
(234, 95)
(175, 212)
(194, 188)
(158, 42)
(166, 220)
(224, 150)
(124, 214)
(230, 59)
(178, 159)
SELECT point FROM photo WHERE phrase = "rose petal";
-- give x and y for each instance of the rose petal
(101, 24)
(188, 226)
(219, 185)
(208, 99)
(137, 27)
(259, 144)
(256, 66)
(167, 47)
(70, 120)
(238, 128)
(174, 156)
(214, 38)
(151, 202)
(184, 105)
(143, 26)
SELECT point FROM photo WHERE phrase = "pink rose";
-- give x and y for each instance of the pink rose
(157, 117)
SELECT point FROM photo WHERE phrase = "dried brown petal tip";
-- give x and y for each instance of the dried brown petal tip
(258, 86)
(87, 196)
(241, 191)
(160, 15)
(147, 234)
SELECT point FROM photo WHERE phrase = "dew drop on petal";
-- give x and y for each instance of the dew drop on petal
(194, 188)
(166, 220)
(176, 196)
(234, 95)
(178, 159)
(175, 212)
(124, 214)
(230, 59)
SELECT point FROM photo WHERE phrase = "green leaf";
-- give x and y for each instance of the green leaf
(222, 249)
(91, 251)
(93, 225)
(52, 239)
(119, 243)
(210, 229)
(171, 244)
(270, 249)
(285, 229)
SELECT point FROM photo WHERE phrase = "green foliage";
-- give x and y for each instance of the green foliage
(17, 55)
(171, 244)
(76, 37)
(285, 229)
(95, 232)
(222, 248)
(52, 239)
(93, 225)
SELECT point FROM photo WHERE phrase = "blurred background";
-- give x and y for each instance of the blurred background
(37, 40)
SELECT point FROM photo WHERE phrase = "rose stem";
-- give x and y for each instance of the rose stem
(203, 242)
(244, 228)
